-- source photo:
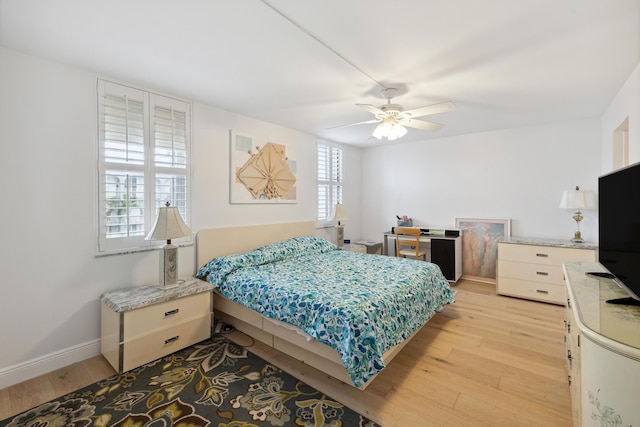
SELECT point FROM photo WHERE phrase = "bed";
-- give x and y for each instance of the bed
(345, 313)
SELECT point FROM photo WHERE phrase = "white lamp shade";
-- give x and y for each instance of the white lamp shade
(339, 214)
(169, 225)
(578, 199)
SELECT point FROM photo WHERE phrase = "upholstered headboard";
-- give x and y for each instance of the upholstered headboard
(214, 242)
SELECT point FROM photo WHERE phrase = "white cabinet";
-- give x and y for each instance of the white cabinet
(532, 269)
(572, 342)
(603, 350)
(142, 324)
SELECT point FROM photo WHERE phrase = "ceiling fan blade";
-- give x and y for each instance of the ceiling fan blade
(422, 125)
(354, 124)
(371, 108)
(442, 107)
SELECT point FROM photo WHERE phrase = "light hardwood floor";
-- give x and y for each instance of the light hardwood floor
(486, 360)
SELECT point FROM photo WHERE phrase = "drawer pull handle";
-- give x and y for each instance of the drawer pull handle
(171, 312)
(543, 255)
(542, 273)
(542, 291)
(172, 339)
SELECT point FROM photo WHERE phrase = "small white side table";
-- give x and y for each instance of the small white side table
(353, 247)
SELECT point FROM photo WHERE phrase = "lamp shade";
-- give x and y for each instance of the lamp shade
(339, 214)
(578, 199)
(169, 225)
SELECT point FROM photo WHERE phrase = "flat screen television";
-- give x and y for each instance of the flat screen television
(619, 229)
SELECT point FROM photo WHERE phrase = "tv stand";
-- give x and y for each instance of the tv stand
(624, 301)
(620, 301)
(602, 348)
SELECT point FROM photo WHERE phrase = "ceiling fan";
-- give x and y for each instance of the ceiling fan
(393, 118)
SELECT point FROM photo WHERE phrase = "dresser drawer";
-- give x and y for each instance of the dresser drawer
(145, 320)
(532, 272)
(543, 254)
(153, 346)
(546, 292)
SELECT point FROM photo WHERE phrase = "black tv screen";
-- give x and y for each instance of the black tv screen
(619, 226)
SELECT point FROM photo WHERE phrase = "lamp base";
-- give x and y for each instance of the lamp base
(169, 266)
(340, 236)
(577, 238)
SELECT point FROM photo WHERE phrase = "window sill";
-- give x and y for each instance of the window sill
(138, 250)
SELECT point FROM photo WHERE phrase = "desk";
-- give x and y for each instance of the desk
(444, 250)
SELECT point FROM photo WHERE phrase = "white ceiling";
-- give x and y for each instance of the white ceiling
(305, 64)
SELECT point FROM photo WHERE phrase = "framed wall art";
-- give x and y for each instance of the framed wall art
(261, 171)
(480, 237)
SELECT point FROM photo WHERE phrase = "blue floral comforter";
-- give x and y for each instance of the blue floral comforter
(359, 304)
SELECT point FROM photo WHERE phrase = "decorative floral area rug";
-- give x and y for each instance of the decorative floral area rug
(214, 383)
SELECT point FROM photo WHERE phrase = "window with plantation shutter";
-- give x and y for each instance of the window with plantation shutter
(329, 180)
(143, 163)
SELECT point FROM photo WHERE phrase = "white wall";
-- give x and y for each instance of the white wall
(512, 173)
(210, 157)
(51, 279)
(626, 104)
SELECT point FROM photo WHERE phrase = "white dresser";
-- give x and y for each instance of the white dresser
(603, 350)
(532, 268)
(143, 324)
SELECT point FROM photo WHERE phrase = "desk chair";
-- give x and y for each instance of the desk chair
(408, 243)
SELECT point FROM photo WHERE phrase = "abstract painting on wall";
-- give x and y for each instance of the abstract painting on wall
(480, 239)
(261, 171)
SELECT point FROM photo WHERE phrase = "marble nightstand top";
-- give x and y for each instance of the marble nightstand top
(549, 242)
(132, 298)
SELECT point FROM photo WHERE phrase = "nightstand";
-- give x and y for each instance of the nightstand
(145, 323)
(353, 247)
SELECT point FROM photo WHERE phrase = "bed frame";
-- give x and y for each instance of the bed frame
(214, 242)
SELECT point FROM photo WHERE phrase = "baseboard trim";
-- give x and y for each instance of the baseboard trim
(43, 365)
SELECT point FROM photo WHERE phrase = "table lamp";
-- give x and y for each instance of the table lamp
(339, 215)
(169, 225)
(579, 200)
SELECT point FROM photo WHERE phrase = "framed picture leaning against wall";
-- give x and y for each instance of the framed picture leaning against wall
(480, 237)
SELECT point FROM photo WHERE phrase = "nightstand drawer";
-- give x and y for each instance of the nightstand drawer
(142, 321)
(543, 254)
(153, 346)
(532, 290)
(532, 272)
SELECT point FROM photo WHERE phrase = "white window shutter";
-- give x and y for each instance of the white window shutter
(144, 157)
(329, 180)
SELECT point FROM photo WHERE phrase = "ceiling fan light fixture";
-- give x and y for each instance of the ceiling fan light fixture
(393, 120)
(390, 129)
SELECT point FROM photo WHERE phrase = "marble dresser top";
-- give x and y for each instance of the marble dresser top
(609, 322)
(137, 297)
(549, 242)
